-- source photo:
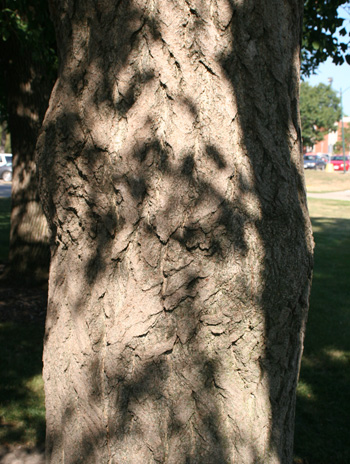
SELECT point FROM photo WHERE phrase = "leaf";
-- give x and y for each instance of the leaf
(5, 34)
(322, 29)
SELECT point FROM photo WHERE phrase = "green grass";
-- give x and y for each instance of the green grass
(22, 412)
(321, 181)
(5, 212)
(323, 401)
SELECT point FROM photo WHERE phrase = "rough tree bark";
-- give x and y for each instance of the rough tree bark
(28, 84)
(171, 174)
(3, 137)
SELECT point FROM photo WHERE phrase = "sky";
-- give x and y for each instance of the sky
(341, 80)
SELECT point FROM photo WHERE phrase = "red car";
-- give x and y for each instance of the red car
(338, 163)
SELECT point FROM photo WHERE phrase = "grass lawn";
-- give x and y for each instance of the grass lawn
(321, 181)
(22, 412)
(323, 399)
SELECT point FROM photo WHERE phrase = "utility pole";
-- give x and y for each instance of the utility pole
(342, 126)
(341, 93)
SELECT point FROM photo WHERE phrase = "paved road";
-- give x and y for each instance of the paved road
(5, 189)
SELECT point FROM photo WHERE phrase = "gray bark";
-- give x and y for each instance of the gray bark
(171, 175)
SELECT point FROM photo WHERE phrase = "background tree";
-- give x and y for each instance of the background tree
(5, 141)
(27, 61)
(171, 177)
(319, 111)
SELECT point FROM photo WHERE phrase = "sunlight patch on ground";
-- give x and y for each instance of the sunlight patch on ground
(337, 355)
(305, 391)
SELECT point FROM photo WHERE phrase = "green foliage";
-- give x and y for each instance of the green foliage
(322, 27)
(29, 21)
(319, 111)
(25, 25)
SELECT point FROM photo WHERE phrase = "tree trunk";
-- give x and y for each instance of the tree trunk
(171, 174)
(3, 134)
(28, 85)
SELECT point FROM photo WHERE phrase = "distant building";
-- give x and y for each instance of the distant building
(326, 145)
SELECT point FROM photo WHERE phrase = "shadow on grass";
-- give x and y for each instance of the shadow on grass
(22, 413)
(323, 402)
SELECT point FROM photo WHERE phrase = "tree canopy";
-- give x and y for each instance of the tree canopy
(25, 25)
(319, 111)
(325, 34)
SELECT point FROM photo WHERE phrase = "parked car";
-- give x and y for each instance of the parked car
(324, 157)
(338, 163)
(6, 172)
(6, 167)
(5, 158)
(314, 162)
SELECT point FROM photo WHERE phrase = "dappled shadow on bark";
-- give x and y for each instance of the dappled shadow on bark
(180, 264)
(267, 107)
